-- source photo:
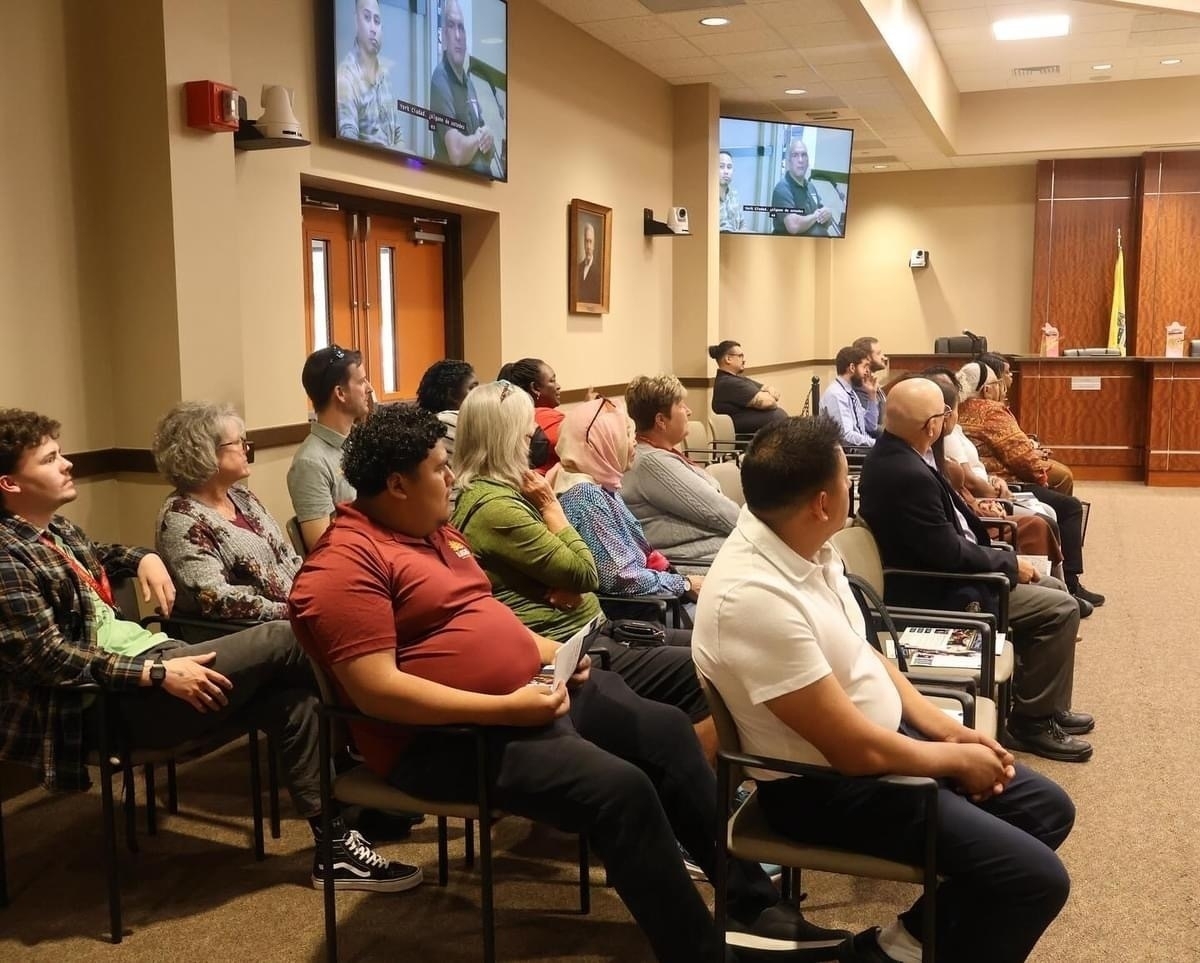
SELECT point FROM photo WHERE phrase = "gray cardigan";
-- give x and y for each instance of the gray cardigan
(680, 505)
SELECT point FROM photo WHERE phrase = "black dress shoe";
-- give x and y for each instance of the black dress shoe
(1095, 599)
(1045, 738)
(1085, 607)
(1075, 723)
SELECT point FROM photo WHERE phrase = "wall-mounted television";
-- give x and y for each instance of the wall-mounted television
(425, 79)
(789, 180)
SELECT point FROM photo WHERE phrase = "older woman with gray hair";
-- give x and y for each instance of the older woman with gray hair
(227, 555)
(679, 504)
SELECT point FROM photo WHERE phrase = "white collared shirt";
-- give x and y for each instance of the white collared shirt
(770, 622)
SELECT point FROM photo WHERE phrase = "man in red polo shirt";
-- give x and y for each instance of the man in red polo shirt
(393, 605)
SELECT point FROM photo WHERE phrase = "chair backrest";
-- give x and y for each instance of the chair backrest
(722, 429)
(297, 539)
(697, 436)
(728, 737)
(729, 476)
(856, 545)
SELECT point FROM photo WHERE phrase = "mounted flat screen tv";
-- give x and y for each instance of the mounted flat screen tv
(425, 79)
(787, 180)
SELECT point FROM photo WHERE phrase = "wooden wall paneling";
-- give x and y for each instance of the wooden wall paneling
(1180, 172)
(1170, 289)
(1158, 416)
(1095, 177)
(1083, 251)
(1184, 437)
(1090, 427)
(1026, 397)
(1039, 310)
(1144, 345)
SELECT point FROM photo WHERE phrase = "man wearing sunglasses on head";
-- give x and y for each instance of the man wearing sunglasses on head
(336, 383)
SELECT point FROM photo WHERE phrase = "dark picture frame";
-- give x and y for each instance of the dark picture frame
(588, 294)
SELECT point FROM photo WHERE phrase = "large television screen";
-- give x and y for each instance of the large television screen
(790, 180)
(425, 79)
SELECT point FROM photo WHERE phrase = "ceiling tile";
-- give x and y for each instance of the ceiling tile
(631, 30)
(863, 70)
(766, 62)
(657, 51)
(957, 19)
(807, 36)
(745, 41)
(586, 11)
(741, 19)
(789, 13)
(843, 53)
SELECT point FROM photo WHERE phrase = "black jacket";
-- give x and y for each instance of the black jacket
(910, 509)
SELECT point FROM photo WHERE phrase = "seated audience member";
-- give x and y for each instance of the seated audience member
(920, 523)
(859, 424)
(443, 387)
(780, 636)
(1003, 446)
(871, 388)
(336, 383)
(537, 379)
(680, 505)
(538, 564)
(224, 550)
(989, 424)
(394, 607)
(749, 403)
(593, 451)
(60, 625)
(1034, 535)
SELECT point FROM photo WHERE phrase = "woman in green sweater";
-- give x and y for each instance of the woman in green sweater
(538, 564)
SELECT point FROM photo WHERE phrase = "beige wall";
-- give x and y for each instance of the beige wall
(977, 225)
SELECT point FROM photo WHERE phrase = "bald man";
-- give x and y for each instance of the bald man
(920, 523)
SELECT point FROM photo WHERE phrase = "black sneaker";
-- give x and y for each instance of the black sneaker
(782, 927)
(357, 866)
(1093, 598)
(864, 948)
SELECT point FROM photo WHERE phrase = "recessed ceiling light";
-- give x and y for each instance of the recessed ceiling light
(1032, 28)
(880, 167)
(795, 90)
(1101, 66)
(714, 22)
(1171, 61)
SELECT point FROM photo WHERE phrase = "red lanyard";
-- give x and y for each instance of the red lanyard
(102, 588)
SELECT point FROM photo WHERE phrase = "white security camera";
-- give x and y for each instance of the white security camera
(919, 258)
(677, 220)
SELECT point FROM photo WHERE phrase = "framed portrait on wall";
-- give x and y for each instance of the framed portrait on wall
(589, 259)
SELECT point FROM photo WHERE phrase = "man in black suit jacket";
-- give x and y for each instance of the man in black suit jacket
(920, 523)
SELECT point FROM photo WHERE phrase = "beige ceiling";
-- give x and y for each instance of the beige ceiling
(836, 52)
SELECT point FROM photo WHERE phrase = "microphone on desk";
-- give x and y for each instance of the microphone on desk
(976, 340)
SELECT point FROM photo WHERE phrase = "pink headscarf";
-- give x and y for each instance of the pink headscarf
(599, 454)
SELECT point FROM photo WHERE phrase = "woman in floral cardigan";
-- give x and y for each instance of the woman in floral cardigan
(225, 552)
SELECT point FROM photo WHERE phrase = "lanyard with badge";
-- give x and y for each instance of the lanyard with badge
(102, 588)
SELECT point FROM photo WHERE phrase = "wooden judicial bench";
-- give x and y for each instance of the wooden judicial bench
(1111, 419)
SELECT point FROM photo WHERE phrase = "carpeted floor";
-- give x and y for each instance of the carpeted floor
(195, 892)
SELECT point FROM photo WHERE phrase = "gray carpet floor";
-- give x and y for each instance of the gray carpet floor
(195, 892)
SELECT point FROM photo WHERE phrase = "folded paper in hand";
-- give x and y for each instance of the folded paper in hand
(566, 659)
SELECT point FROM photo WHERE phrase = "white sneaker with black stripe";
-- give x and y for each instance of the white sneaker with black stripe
(357, 866)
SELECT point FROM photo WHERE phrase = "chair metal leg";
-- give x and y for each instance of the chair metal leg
(3, 864)
(585, 876)
(326, 841)
(130, 806)
(172, 789)
(485, 851)
(469, 841)
(151, 801)
(256, 806)
(443, 853)
(273, 785)
(720, 898)
(110, 829)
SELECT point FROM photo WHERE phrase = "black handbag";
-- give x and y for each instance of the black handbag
(638, 634)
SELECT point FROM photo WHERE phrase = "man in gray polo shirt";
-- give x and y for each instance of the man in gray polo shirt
(336, 383)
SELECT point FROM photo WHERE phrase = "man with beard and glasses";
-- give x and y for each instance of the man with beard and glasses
(859, 422)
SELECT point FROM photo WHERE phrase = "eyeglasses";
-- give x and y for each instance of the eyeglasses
(243, 443)
(941, 414)
(604, 403)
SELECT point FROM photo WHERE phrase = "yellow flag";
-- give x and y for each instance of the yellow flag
(1116, 322)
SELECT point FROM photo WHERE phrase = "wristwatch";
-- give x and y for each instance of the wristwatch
(158, 672)
(687, 583)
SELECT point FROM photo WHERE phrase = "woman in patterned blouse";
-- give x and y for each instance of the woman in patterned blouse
(228, 557)
(595, 448)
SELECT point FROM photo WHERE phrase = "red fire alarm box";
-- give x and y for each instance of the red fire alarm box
(211, 106)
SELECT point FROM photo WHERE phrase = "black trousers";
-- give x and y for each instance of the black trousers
(1003, 882)
(273, 687)
(628, 772)
(1069, 510)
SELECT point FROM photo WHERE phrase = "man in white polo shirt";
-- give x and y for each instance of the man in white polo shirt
(780, 636)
